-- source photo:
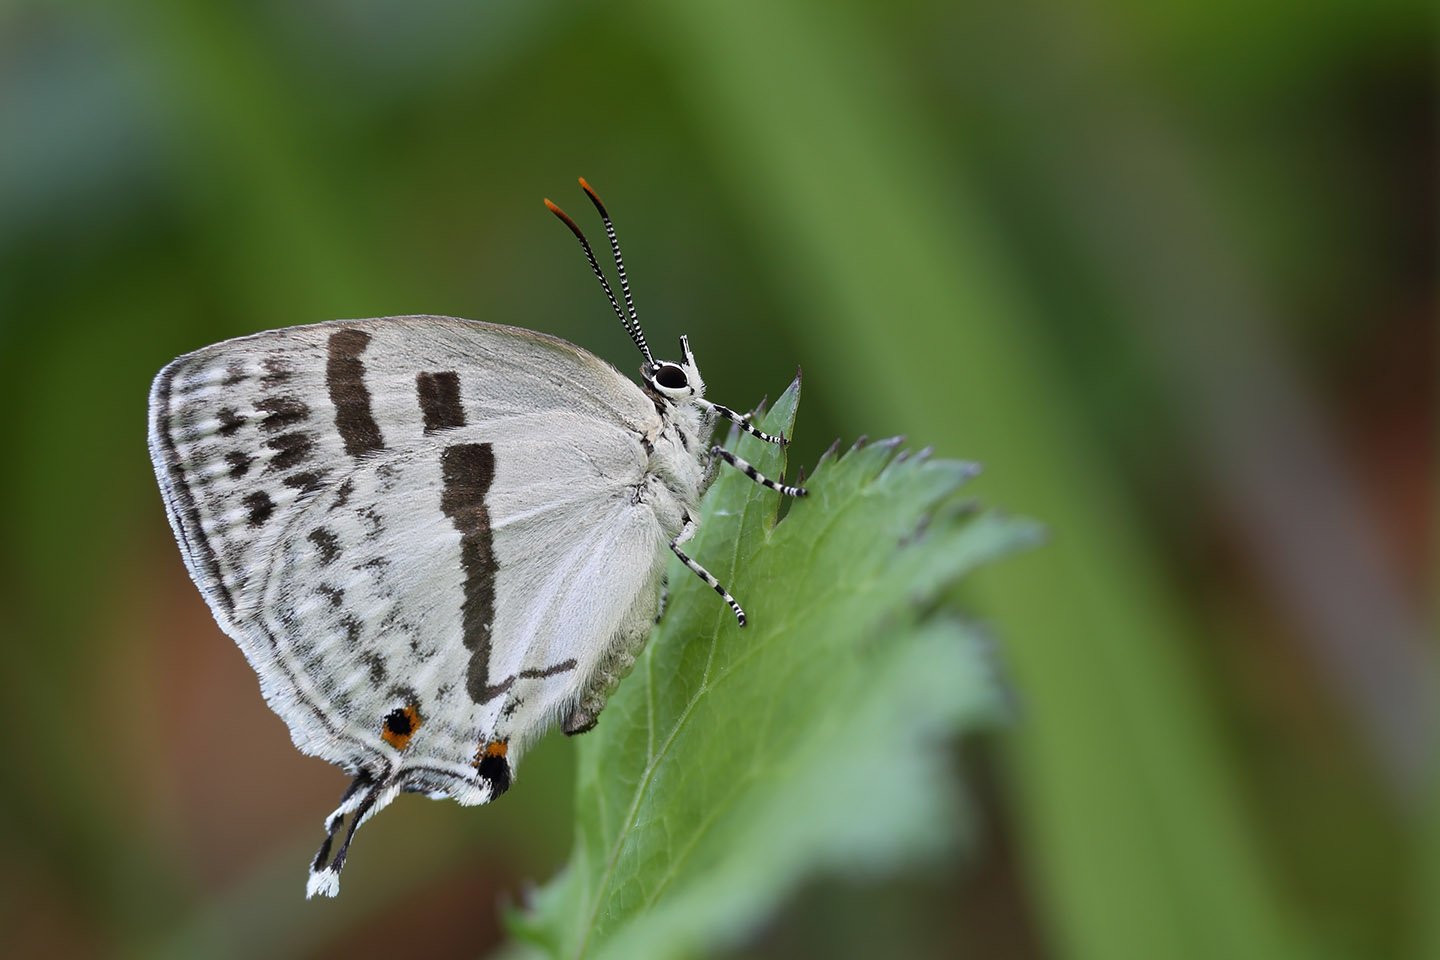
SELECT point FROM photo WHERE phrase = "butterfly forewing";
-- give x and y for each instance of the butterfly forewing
(422, 531)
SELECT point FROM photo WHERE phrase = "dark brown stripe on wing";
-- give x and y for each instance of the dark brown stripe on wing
(439, 395)
(345, 378)
(468, 469)
(491, 692)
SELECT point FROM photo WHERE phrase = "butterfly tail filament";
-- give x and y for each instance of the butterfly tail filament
(364, 797)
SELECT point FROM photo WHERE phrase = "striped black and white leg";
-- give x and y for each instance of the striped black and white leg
(686, 533)
(744, 423)
(754, 474)
(705, 575)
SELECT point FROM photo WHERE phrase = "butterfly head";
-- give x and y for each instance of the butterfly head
(677, 382)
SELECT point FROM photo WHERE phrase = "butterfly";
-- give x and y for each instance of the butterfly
(434, 538)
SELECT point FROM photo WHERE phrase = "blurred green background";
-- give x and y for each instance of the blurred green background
(1167, 270)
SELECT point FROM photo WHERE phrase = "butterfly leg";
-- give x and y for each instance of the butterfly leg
(754, 474)
(701, 572)
(743, 422)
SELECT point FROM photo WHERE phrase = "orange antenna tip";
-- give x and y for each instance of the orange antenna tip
(565, 218)
(594, 197)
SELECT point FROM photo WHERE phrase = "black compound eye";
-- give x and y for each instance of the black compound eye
(671, 377)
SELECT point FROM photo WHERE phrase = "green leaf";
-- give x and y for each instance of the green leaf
(734, 762)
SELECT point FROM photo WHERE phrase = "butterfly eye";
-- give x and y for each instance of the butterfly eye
(671, 377)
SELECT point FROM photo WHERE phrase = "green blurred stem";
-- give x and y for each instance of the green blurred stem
(1145, 215)
(1134, 832)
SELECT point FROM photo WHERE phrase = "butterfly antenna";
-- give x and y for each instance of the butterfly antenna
(633, 326)
(632, 329)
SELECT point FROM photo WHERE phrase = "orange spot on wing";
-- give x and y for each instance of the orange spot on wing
(399, 727)
(494, 749)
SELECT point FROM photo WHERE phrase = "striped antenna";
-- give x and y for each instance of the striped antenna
(634, 325)
(634, 330)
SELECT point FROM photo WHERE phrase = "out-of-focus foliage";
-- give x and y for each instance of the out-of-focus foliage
(737, 762)
(1167, 271)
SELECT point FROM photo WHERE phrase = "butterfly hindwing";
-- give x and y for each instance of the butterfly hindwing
(427, 535)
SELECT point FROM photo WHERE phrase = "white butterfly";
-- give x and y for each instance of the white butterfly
(432, 538)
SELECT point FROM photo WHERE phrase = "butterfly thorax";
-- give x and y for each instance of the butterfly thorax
(679, 450)
(680, 453)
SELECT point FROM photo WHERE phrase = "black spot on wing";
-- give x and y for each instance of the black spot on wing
(277, 371)
(259, 506)
(239, 463)
(230, 421)
(307, 482)
(290, 449)
(327, 544)
(399, 723)
(495, 770)
(281, 412)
